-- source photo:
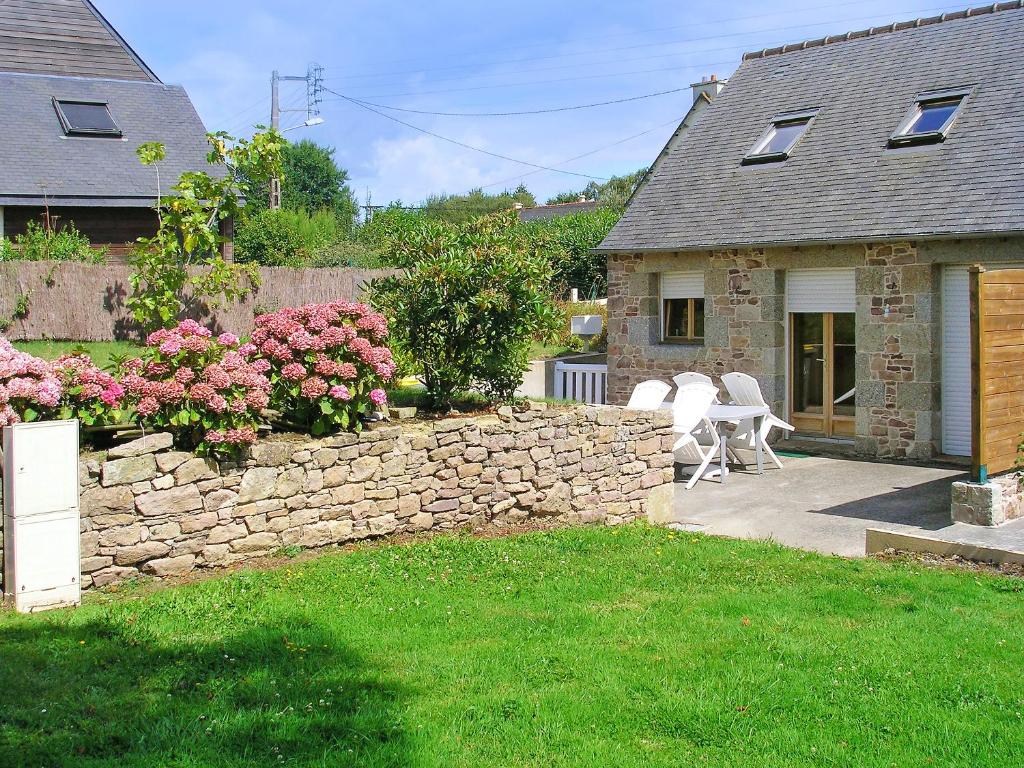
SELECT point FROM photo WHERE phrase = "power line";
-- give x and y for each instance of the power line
(461, 143)
(525, 112)
(637, 46)
(688, 25)
(673, 121)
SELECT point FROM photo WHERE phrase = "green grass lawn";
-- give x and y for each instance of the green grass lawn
(100, 351)
(585, 647)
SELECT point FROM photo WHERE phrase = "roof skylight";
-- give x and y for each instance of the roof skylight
(930, 119)
(85, 118)
(778, 141)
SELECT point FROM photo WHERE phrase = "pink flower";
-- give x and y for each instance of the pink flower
(184, 375)
(227, 340)
(214, 436)
(340, 392)
(293, 371)
(313, 387)
(247, 350)
(378, 396)
(170, 347)
(147, 406)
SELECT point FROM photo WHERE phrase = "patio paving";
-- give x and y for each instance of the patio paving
(827, 504)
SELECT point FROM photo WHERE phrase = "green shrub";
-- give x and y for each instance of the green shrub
(41, 244)
(347, 253)
(568, 243)
(468, 305)
(285, 238)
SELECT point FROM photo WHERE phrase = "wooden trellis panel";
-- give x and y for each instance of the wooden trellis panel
(997, 369)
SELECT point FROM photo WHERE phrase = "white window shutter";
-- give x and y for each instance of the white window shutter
(821, 290)
(682, 285)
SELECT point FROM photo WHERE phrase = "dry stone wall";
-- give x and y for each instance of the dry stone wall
(148, 509)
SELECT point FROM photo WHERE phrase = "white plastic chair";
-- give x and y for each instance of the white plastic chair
(689, 411)
(648, 395)
(743, 390)
(691, 377)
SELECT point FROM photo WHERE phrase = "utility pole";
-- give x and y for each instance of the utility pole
(313, 79)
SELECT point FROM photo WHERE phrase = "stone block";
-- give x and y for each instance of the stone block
(168, 462)
(421, 521)
(290, 482)
(170, 566)
(225, 533)
(132, 469)
(106, 501)
(198, 522)
(136, 553)
(258, 483)
(165, 531)
(364, 468)
(223, 500)
(196, 469)
(173, 501)
(977, 504)
(272, 453)
(257, 542)
(158, 441)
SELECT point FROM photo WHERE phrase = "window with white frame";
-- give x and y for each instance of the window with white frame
(782, 134)
(930, 118)
(682, 307)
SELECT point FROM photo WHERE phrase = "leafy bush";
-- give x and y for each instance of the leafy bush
(180, 268)
(29, 390)
(327, 363)
(568, 243)
(284, 238)
(468, 305)
(42, 244)
(71, 387)
(207, 392)
(91, 395)
(347, 253)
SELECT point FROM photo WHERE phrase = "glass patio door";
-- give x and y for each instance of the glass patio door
(822, 373)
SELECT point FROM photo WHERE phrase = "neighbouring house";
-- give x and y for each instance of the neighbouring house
(815, 224)
(77, 102)
(553, 211)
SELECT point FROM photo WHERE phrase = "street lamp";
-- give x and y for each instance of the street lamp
(306, 124)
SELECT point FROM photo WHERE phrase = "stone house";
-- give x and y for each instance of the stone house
(77, 102)
(814, 226)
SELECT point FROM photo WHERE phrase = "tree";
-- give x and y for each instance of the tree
(457, 209)
(472, 299)
(568, 243)
(180, 267)
(611, 194)
(312, 181)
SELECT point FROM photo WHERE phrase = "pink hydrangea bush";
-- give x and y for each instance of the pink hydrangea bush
(208, 391)
(90, 394)
(29, 390)
(328, 363)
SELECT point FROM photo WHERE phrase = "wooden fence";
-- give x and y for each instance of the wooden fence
(581, 382)
(997, 369)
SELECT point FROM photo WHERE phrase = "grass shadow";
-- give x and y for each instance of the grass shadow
(104, 693)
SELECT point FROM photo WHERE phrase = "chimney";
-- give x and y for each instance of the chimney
(711, 86)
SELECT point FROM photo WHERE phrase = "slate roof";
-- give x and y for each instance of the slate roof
(65, 37)
(841, 182)
(555, 210)
(37, 159)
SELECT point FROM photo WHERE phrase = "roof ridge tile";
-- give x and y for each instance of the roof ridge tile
(896, 26)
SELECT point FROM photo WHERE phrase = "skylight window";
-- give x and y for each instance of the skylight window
(86, 118)
(930, 119)
(782, 135)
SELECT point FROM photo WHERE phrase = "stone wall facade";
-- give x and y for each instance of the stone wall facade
(148, 509)
(898, 327)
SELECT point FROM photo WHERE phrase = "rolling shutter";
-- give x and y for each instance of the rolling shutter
(682, 285)
(956, 362)
(820, 290)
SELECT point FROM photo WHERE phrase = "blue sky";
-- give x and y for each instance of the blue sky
(447, 56)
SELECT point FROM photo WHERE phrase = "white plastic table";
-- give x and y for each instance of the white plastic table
(721, 414)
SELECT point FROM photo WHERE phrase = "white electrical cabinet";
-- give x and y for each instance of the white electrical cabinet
(41, 515)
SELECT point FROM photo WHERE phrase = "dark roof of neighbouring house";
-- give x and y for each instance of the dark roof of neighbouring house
(65, 37)
(841, 182)
(38, 162)
(555, 210)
